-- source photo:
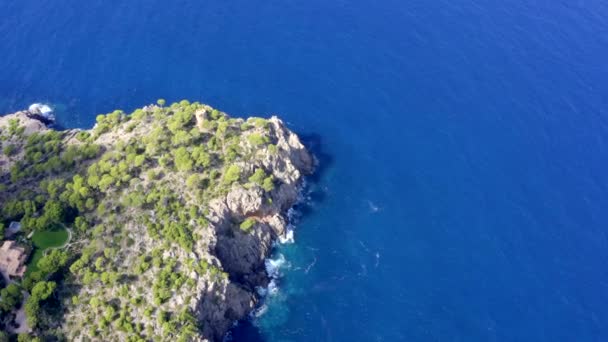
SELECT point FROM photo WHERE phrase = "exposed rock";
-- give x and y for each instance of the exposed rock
(289, 144)
(220, 305)
(243, 202)
(200, 116)
(237, 254)
(277, 223)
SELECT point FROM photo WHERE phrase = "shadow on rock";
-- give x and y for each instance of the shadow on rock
(246, 331)
(315, 194)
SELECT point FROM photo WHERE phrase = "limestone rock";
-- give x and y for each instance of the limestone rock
(236, 255)
(243, 202)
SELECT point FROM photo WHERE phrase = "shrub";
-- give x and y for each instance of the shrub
(258, 177)
(268, 184)
(10, 150)
(232, 174)
(10, 297)
(138, 114)
(201, 157)
(256, 139)
(41, 291)
(193, 181)
(215, 114)
(182, 159)
(82, 136)
(139, 160)
(259, 122)
(247, 224)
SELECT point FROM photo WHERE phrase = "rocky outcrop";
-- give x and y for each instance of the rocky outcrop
(292, 150)
(219, 306)
(236, 253)
(242, 254)
(29, 124)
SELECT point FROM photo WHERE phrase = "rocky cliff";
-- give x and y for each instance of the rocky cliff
(173, 211)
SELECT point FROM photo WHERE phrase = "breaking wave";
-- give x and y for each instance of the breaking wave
(288, 237)
(274, 267)
(43, 110)
(277, 263)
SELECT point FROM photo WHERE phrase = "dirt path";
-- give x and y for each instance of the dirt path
(20, 319)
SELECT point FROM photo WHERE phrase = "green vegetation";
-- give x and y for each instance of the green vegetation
(54, 237)
(134, 181)
(258, 177)
(10, 297)
(256, 139)
(247, 224)
(268, 183)
(258, 122)
(41, 291)
(232, 174)
(10, 150)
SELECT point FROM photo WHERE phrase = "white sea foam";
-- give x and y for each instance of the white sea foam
(364, 246)
(273, 288)
(42, 109)
(291, 214)
(288, 237)
(262, 291)
(273, 269)
(363, 272)
(259, 311)
(273, 266)
(310, 266)
(373, 207)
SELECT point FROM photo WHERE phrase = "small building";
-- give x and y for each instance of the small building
(12, 259)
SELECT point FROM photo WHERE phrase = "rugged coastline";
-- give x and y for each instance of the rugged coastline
(174, 210)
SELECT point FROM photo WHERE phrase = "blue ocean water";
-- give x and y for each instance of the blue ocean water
(463, 188)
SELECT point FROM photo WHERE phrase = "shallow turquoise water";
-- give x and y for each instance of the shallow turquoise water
(463, 180)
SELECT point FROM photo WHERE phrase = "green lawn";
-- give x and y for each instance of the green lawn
(56, 236)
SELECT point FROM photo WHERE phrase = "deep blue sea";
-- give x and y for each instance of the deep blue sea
(462, 192)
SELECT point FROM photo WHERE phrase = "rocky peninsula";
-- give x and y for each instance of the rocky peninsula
(171, 210)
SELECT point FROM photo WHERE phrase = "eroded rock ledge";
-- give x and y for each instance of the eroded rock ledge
(173, 211)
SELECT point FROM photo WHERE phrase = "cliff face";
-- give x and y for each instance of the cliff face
(173, 212)
(240, 253)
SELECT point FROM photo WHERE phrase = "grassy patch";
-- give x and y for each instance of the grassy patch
(247, 224)
(55, 236)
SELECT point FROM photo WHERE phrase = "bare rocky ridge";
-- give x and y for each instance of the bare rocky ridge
(215, 301)
(242, 254)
